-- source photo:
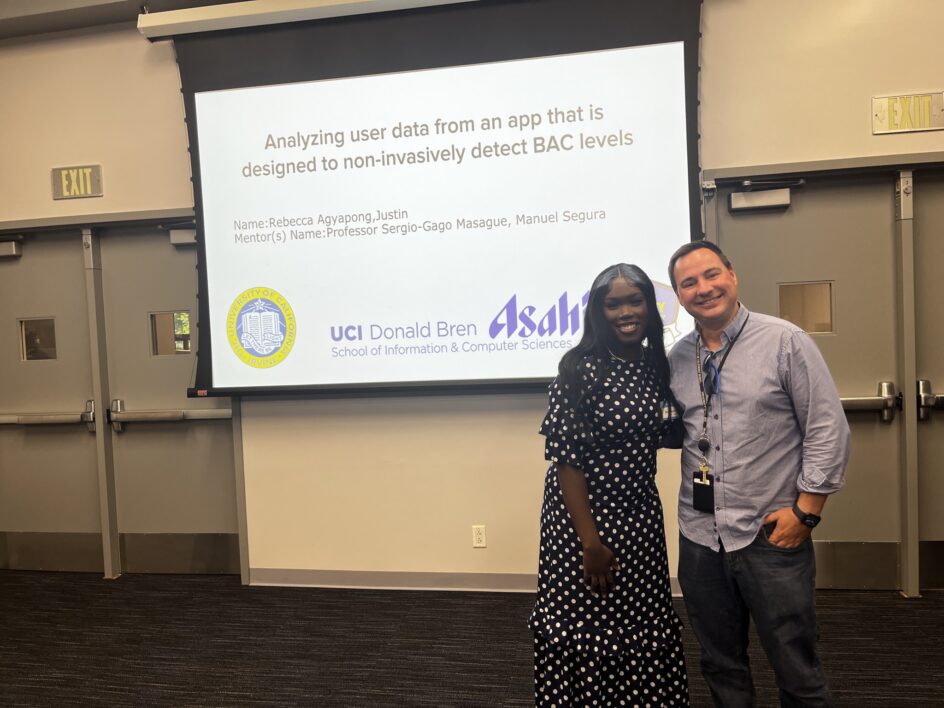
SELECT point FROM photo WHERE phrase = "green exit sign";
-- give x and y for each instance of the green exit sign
(77, 182)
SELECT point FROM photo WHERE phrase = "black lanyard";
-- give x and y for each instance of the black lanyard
(704, 444)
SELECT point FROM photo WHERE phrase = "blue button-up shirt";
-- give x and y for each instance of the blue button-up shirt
(776, 428)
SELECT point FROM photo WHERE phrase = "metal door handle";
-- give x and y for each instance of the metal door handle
(886, 402)
(927, 400)
(87, 417)
(118, 416)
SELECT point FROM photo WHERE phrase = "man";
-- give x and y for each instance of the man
(766, 442)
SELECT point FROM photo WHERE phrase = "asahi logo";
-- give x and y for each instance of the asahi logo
(565, 317)
(521, 319)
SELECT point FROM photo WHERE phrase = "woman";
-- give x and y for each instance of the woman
(605, 631)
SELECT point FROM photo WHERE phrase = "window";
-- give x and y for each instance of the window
(808, 305)
(37, 339)
(170, 333)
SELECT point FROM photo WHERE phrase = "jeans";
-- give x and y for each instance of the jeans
(774, 587)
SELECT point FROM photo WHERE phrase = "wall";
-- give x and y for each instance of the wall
(793, 81)
(395, 484)
(105, 97)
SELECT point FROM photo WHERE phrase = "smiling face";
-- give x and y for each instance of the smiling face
(707, 288)
(626, 312)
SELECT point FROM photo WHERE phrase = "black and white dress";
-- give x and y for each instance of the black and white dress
(624, 649)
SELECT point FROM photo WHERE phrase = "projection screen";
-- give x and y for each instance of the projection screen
(436, 225)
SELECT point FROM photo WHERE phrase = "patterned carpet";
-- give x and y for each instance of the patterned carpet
(155, 640)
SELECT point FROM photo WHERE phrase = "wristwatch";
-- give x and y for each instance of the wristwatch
(809, 520)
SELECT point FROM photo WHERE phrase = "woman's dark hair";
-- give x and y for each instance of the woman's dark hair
(598, 341)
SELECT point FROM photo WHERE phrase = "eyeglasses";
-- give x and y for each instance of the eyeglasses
(712, 380)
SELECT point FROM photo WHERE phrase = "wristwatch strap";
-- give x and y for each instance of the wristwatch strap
(806, 519)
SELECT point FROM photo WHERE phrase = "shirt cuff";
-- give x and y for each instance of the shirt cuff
(816, 481)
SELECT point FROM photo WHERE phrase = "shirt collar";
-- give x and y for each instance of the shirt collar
(730, 332)
(734, 326)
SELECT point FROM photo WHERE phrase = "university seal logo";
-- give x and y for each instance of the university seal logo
(668, 306)
(261, 327)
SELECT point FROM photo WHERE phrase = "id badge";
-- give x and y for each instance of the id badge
(703, 496)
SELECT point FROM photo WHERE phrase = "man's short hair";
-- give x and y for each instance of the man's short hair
(689, 248)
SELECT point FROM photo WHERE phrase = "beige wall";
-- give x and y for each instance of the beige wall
(106, 97)
(792, 80)
(396, 483)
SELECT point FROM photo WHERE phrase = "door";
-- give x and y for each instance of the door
(845, 237)
(49, 486)
(174, 478)
(97, 315)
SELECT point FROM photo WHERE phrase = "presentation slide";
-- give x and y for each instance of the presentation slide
(441, 225)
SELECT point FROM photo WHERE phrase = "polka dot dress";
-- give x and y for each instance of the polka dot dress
(624, 649)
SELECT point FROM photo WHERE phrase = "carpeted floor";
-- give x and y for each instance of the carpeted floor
(152, 640)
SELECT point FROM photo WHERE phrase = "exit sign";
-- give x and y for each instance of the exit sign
(77, 182)
(908, 113)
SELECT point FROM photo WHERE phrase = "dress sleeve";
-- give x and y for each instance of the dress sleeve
(564, 440)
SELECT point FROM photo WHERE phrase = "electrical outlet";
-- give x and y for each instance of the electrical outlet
(478, 536)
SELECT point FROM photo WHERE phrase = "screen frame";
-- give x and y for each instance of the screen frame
(409, 40)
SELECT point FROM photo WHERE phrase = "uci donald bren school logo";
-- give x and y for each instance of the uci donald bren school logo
(261, 327)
